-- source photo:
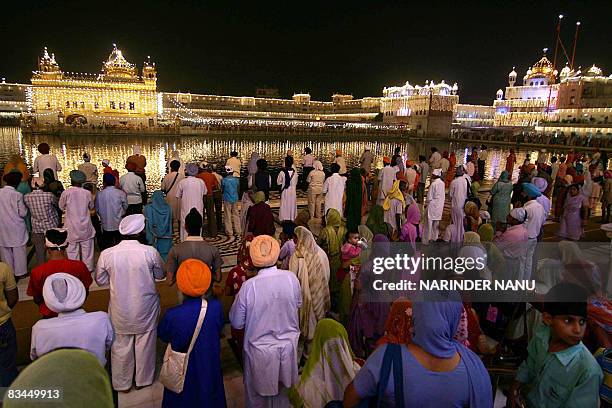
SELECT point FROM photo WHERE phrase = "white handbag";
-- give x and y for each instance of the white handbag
(174, 367)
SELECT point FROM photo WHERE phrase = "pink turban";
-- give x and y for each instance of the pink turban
(264, 251)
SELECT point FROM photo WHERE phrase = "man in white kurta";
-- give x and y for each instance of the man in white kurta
(176, 157)
(191, 191)
(13, 232)
(131, 269)
(266, 307)
(435, 158)
(333, 188)
(458, 192)
(435, 206)
(387, 176)
(76, 202)
(73, 327)
(46, 161)
(288, 207)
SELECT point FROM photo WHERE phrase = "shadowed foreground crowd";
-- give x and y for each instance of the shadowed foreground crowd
(301, 327)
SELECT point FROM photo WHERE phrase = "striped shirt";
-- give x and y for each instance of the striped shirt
(43, 210)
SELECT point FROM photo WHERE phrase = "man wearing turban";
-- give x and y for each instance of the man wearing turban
(191, 191)
(73, 328)
(267, 308)
(46, 161)
(204, 378)
(134, 187)
(536, 216)
(131, 269)
(111, 204)
(13, 231)
(77, 202)
(340, 161)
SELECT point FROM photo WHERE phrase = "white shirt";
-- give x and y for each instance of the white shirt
(555, 169)
(342, 163)
(235, 164)
(46, 161)
(458, 192)
(444, 164)
(535, 218)
(435, 160)
(396, 208)
(435, 200)
(133, 187)
(191, 190)
(77, 329)
(76, 203)
(13, 232)
(131, 269)
(333, 188)
(387, 176)
(267, 308)
(308, 160)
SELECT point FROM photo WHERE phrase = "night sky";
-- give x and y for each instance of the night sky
(232, 48)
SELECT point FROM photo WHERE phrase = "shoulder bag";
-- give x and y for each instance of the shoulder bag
(174, 367)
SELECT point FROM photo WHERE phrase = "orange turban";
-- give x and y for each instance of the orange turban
(387, 160)
(409, 163)
(264, 251)
(338, 152)
(193, 277)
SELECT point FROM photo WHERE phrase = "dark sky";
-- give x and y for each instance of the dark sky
(305, 46)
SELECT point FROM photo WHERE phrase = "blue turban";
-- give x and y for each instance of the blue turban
(108, 179)
(77, 176)
(531, 190)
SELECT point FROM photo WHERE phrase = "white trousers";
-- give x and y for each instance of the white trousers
(254, 400)
(82, 251)
(231, 214)
(16, 258)
(531, 246)
(129, 351)
(432, 230)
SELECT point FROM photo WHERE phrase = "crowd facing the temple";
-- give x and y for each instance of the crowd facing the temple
(302, 326)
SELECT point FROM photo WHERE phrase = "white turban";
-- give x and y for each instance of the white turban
(137, 149)
(132, 224)
(519, 214)
(437, 172)
(63, 292)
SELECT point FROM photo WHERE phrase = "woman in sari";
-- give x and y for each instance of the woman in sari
(159, 223)
(510, 161)
(376, 221)
(329, 369)
(411, 229)
(575, 210)
(310, 265)
(354, 195)
(495, 259)
(500, 199)
(472, 218)
(367, 319)
(330, 240)
(450, 174)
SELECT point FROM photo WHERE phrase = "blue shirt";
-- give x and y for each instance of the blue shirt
(229, 184)
(204, 378)
(422, 388)
(111, 204)
(568, 378)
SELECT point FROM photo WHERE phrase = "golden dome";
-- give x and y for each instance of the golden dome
(541, 69)
(594, 71)
(118, 67)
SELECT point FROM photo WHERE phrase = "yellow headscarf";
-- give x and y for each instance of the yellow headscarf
(393, 193)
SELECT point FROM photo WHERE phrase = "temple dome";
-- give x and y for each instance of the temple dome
(118, 67)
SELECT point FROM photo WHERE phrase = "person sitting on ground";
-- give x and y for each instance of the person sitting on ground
(203, 379)
(441, 371)
(559, 370)
(73, 328)
(56, 241)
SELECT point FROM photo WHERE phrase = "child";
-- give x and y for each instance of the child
(560, 370)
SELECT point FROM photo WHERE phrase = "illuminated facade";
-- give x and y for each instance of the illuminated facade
(427, 109)
(195, 107)
(473, 116)
(118, 95)
(530, 103)
(15, 99)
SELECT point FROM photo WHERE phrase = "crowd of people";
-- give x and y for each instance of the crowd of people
(302, 327)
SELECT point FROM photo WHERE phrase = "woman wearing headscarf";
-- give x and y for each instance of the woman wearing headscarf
(330, 240)
(575, 210)
(398, 328)
(473, 248)
(443, 372)
(65, 294)
(500, 199)
(252, 168)
(203, 379)
(287, 179)
(376, 221)
(513, 242)
(354, 195)
(393, 205)
(246, 203)
(472, 216)
(16, 163)
(412, 229)
(452, 164)
(260, 220)
(310, 265)
(51, 184)
(78, 373)
(367, 319)
(159, 224)
(495, 259)
(328, 370)
(262, 181)
(315, 181)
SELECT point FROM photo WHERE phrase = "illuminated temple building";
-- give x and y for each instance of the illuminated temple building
(428, 109)
(116, 95)
(528, 104)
